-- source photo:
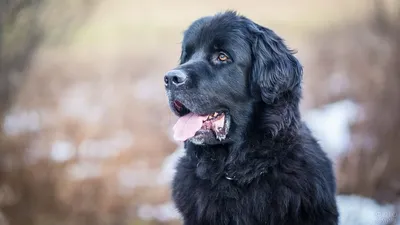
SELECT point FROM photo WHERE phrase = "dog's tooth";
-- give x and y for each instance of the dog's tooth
(215, 114)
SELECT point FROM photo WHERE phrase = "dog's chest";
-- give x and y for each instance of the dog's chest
(223, 198)
(212, 194)
(215, 182)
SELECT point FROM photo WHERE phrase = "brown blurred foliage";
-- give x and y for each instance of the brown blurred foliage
(30, 192)
(16, 187)
(18, 41)
(362, 59)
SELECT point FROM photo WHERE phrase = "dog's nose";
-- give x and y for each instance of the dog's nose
(175, 78)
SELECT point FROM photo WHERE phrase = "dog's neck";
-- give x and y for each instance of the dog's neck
(273, 125)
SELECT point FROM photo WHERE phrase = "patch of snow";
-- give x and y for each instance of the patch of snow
(133, 178)
(105, 148)
(84, 170)
(75, 103)
(331, 125)
(168, 166)
(62, 151)
(163, 213)
(357, 210)
(20, 121)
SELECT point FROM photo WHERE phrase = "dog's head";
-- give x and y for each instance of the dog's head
(228, 64)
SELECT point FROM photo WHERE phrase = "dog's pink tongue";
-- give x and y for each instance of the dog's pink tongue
(187, 126)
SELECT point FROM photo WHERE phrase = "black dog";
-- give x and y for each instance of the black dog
(249, 158)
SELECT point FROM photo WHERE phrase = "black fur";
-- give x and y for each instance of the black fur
(269, 169)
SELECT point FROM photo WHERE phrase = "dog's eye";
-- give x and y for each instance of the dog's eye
(222, 57)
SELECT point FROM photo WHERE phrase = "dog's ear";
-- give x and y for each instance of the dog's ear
(275, 70)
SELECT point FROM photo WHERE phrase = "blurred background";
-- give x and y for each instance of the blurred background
(85, 135)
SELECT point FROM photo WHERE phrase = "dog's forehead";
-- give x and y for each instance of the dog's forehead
(215, 30)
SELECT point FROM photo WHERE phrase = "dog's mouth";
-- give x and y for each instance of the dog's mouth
(192, 125)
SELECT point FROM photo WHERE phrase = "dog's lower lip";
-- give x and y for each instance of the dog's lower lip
(179, 108)
(178, 105)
